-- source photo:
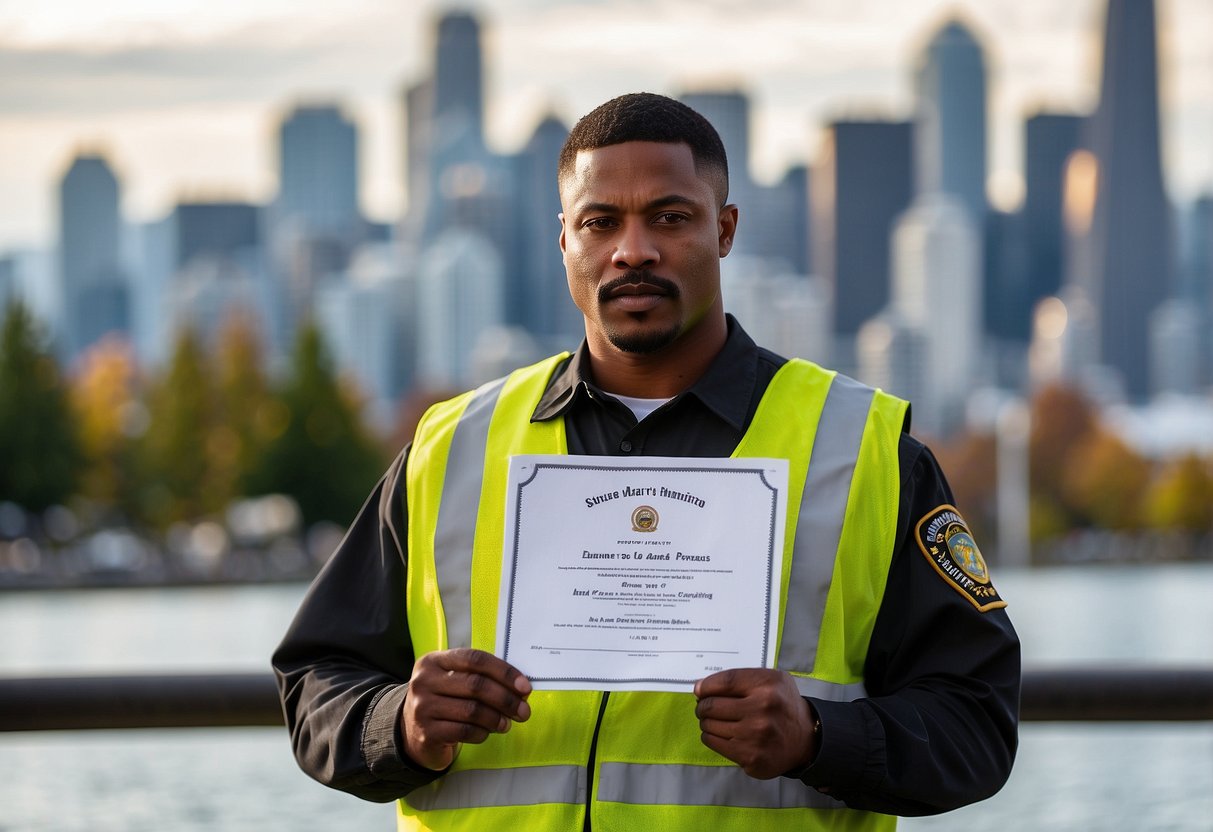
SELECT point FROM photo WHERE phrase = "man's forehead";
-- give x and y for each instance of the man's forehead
(637, 163)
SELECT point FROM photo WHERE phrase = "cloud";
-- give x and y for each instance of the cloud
(257, 61)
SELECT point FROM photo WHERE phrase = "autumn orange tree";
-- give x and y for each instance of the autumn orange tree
(969, 462)
(111, 418)
(1104, 482)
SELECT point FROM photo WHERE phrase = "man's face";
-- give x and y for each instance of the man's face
(642, 234)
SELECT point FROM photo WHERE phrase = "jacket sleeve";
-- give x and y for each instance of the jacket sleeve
(939, 729)
(344, 664)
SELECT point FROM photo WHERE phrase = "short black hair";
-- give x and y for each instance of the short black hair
(647, 117)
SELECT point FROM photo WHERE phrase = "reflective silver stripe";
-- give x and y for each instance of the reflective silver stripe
(456, 525)
(684, 785)
(819, 527)
(474, 788)
(830, 691)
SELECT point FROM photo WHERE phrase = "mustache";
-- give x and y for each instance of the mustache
(637, 277)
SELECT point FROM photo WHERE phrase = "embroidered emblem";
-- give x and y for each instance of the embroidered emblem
(946, 542)
(644, 519)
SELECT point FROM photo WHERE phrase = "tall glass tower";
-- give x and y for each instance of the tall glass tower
(318, 170)
(1126, 266)
(950, 127)
(95, 296)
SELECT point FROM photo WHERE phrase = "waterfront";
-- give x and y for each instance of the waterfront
(1105, 776)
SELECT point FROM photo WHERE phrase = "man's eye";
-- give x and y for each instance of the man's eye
(670, 218)
(599, 223)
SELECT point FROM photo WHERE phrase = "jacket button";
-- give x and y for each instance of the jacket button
(625, 446)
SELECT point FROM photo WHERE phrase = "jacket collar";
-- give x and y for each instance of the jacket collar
(726, 388)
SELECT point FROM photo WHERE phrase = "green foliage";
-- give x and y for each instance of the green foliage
(322, 456)
(1181, 497)
(39, 449)
(248, 413)
(179, 474)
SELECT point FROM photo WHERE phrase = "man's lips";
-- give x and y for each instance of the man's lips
(637, 284)
(637, 289)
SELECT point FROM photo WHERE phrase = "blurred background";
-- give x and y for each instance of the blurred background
(243, 245)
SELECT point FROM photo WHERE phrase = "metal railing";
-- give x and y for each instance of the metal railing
(212, 700)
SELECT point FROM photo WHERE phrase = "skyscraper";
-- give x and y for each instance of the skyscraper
(460, 296)
(418, 101)
(1127, 263)
(861, 183)
(96, 298)
(781, 226)
(213, 230)
(774, 220)
(1049, 139)
(950, 124)
(446, 125)
(8, 283)
(729, 113)
(318, 171)
(459, 80)
(547, 310)
(937, 294)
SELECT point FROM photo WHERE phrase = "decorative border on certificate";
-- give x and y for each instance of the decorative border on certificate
(640, 573)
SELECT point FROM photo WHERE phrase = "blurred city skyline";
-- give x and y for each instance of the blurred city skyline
(184, 99)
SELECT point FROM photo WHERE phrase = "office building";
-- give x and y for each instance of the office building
(94, 290)
(460, 294)
(1050, 139)
(862, 181)
(546, 310)
(950, 122)
(1127, 264)
(936, 292)
(318, 172)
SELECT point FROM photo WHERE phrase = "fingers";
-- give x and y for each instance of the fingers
(458, 696)
(756, 718)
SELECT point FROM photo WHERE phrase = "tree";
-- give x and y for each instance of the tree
(323, 456)
(1105, 482)
(111, 420)
(180, 473)
(1181, 496)
(1061, 418)
(39, 449)
(249, 415)
(970, 463)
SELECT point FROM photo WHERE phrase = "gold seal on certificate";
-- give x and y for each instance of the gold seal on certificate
(640, 573)
(644, 519)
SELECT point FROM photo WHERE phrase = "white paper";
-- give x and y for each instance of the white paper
(643, 573)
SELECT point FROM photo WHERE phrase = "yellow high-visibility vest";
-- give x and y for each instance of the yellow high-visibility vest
(650, 769)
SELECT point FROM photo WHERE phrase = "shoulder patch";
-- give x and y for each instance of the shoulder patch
(946, 542)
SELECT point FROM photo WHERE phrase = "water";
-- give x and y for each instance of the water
(1068, 777)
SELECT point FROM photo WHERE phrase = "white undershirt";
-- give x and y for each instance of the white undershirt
(641, 407)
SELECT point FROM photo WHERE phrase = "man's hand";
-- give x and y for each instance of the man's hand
(757, 719)
(458, 696)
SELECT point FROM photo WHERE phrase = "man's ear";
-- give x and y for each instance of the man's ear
(561, 216)
(728, 228)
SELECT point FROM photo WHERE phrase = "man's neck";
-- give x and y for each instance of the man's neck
(662, 374)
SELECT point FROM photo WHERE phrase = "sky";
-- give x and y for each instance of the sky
(184, 96)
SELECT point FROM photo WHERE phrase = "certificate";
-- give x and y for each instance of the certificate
(643, 573)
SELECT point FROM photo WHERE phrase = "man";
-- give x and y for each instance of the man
(897, 680)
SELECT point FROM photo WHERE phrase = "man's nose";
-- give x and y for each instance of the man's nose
(635, 247)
